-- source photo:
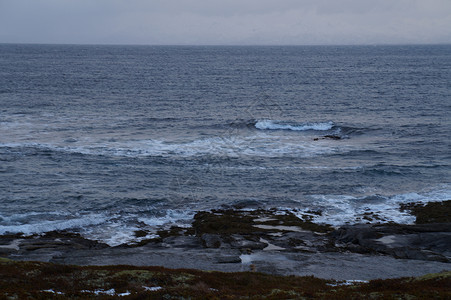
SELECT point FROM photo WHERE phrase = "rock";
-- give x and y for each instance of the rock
(183, 242)
(355, 234)
(246, 204)
(411, 253)
(232, 259)
(332, 137)
(328, 137)
(7, 251)
(240, 242)
(211, 240)
(229, 239)
(420, 242)
(305, 241)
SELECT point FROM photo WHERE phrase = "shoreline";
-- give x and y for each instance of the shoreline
(268, 241)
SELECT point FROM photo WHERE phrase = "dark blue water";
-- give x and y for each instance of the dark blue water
(104, 140)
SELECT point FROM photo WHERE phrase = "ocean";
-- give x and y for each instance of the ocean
(107, 140)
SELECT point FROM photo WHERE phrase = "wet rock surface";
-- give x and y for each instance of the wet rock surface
(264, 240)
(328, 137)
(421, 242)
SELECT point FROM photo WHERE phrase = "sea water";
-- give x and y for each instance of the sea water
(106, 140)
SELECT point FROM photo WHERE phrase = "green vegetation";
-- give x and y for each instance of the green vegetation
(37, 280)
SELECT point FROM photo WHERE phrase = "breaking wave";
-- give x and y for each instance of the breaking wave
(234, 146)
(112, 229)
(22, 223)
(339, 210)
(282, 125)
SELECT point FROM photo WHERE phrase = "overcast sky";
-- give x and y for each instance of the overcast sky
(236, 22)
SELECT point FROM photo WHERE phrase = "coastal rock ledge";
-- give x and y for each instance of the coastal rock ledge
(265, 240)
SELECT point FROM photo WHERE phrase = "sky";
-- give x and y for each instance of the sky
(226, 22)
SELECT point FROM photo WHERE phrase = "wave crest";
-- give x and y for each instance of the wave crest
(281, 125)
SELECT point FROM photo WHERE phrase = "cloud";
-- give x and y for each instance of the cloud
(226, 22)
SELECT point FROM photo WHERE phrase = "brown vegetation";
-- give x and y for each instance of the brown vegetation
(243, 222)
(37, 280)
(432, 212)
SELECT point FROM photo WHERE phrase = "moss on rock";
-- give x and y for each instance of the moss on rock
(432, 212)
(227, 222)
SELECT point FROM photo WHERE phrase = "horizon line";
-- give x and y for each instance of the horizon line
(225, 45)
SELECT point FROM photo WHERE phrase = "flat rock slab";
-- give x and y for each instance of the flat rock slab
(420, 242)
(339, 266)
(265, 241)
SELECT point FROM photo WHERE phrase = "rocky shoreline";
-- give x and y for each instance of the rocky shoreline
(265, 240)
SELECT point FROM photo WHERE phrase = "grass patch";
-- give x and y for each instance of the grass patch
(36, 280)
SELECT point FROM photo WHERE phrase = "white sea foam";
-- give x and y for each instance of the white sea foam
(279, 125)
(338, 210)
(233, 144)
(110, 292)
(112, 229)
(348, 282)
(439, 194)
(40, 226)
(254, 145)
(120, 230)
(171, 217)
(115, 233)
(152, 288)
(53, 292)
(116, 229)
(289, 167)
(259, 145)
(19, 218)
